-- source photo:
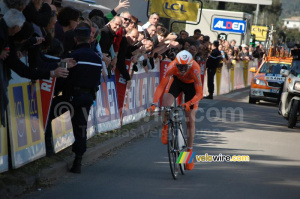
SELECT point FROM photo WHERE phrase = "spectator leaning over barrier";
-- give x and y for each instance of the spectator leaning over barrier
(108, 34)
(244, 55)
(126, 20)
(79, 92)
(128, 40)
(232, 43)
(39, 15)
(153, 20)
(211, 65)
(67, 20)
(149, 32)
(11, 24)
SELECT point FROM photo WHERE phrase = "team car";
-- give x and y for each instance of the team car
(267, 82)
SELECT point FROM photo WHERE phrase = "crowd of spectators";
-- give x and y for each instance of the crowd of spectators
(40, 30)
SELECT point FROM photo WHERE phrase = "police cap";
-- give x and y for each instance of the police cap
(216, 43)
(82, 32)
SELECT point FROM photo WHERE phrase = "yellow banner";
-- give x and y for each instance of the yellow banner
(260, 32)
(25, 115)
(179, 10)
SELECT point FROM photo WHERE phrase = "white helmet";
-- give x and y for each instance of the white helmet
(184, 57)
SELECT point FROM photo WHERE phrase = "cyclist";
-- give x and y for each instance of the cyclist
(183, 75)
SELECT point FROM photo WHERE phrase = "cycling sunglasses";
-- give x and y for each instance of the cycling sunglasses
(182, 67)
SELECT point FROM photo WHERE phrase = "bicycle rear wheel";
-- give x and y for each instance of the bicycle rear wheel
(172, 151)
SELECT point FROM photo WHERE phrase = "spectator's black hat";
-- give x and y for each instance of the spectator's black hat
(82, 32)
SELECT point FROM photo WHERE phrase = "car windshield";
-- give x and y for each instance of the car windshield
(296, 68)
(274, 68)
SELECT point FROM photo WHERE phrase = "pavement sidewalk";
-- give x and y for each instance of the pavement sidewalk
(16, 182)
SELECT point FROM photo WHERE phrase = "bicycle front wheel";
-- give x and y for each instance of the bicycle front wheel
(172, 151)
(181, 145)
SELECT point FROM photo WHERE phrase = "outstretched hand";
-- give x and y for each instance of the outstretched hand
(124, 4)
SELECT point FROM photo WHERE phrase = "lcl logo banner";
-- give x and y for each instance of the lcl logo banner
(179, 10)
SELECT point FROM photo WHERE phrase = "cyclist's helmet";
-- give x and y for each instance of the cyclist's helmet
(184, 61)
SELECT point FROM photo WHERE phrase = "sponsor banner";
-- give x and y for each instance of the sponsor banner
(25, 123)
(3, 149)
(260, 32)
(62, 132)
(179, 10)
(141, 94)
(229, 25)
(47, 89)
(107, 116)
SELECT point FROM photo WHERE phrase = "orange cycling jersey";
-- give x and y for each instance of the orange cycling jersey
(191, 76)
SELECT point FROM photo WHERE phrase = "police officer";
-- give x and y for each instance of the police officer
(211, 64)
(79, 92)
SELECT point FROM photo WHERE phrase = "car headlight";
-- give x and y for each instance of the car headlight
(297, 86)
(260, 82)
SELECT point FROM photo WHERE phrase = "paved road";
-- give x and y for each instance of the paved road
(141, 170)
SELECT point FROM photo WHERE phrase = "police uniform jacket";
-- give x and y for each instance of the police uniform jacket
(214, 59)
(86, 74)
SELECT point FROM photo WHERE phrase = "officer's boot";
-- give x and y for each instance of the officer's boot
(76, 168)
(210, 96)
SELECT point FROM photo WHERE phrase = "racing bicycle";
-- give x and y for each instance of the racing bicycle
(177, 142)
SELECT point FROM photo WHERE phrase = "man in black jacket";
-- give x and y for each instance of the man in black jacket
(211, 64)
(79, 92)
(128, 40)
(108, 34)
